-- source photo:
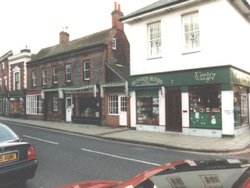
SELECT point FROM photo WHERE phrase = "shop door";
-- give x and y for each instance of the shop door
(123, 111)
(69, 108)
(173, 111)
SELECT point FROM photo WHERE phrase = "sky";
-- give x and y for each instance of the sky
(36, 24)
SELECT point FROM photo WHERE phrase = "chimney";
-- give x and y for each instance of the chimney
(64, 36)
(116, 15)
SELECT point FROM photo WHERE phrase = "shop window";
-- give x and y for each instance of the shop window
(89, 107)
(34, 104)
(240, 106)
(113, 104)
(205, 106)
(147, 107)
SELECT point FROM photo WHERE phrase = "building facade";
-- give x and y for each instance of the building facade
(18, 82)
(194, 78)
(83, 80)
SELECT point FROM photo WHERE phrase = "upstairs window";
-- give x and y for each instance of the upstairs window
(33, 78)
(17, 81)
(44, 77)
(68, 72)
(191, 31)
(114, 43)
(154, 39)
(55, 75)
(86, 70)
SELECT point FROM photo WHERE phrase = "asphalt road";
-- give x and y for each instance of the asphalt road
(65, 158)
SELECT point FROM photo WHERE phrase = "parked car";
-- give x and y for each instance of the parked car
(233, 173)
(18, 161)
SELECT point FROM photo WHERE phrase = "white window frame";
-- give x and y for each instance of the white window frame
(44, 77)
(33, 77)
(55, 74)
(68, 72)
(34, 104)
(114, 43)
(154, 39)
(113, 104)
(191, 32)
(86, 71)
(16, 70)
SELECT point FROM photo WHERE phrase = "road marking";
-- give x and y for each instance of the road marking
(42, 140)
(120, 157)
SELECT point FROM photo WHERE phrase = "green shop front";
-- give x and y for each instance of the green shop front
(211, 102)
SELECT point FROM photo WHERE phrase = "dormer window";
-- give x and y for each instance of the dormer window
(114, 43)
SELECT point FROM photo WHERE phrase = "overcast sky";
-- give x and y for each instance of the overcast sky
(37, 23)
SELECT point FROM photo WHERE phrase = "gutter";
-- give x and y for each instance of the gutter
(158, 10)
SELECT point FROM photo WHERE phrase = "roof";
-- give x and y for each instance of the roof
(168, 5)
(86, 42)
(120, 70)
(155, 6)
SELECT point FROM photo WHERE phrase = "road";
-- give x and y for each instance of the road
(65, 157)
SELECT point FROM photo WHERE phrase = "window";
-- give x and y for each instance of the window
(123, 104)
(113, 104)
(44, 76)
(86, 70)
(34, 104)
(154, 39)
(68, 72)
(147, 107)
(240, 105)
(33, 78)
(16, 81)
(191, 31)
(205, 106)
(114, 43)
(55, 103)
(55, 74)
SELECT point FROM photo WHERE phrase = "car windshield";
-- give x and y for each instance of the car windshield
(195, 175)
(6, 134)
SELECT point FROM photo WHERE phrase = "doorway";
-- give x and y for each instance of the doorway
(173, 110)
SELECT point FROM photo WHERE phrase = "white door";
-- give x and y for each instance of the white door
(69, 109)
(123, 111)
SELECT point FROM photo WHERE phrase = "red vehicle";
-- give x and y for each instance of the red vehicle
(18, 161)
(233, 173)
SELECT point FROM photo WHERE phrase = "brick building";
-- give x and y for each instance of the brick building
(83, 80)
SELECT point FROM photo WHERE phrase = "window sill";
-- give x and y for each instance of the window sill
(153, 58)
(191, 52)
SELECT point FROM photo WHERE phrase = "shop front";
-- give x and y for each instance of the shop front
(209, 102)
(85, 104)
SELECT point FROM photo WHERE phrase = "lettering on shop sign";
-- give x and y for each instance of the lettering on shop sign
(147, 80)
(208, 76)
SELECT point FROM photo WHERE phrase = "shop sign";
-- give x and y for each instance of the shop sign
(147, 81)
(204, 76)
(240, 77)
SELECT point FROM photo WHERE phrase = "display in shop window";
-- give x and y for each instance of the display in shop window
(148, 110)
(205, 107)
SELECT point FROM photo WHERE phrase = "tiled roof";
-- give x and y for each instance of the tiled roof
(96, 39)
(157, 5)
(120, 70)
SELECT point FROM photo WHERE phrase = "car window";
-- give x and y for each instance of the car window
(6, 134)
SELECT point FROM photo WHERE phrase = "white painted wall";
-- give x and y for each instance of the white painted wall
(224, 37)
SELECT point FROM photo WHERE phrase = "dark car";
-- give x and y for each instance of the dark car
(233, 173)
(18, 161)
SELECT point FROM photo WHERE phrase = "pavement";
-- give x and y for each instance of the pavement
(171, 140)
